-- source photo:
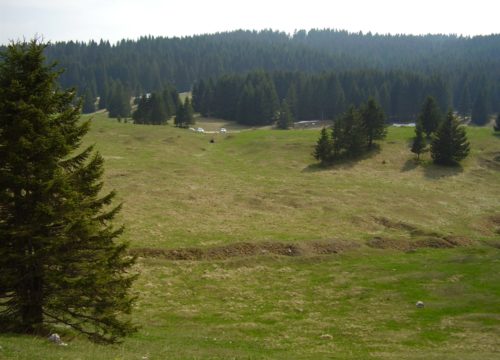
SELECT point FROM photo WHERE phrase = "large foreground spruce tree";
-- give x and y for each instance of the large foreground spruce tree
(60, 262)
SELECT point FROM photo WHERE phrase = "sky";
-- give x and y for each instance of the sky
(83, 20)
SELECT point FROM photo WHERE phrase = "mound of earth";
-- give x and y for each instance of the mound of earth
(246, 249)
(418, 242)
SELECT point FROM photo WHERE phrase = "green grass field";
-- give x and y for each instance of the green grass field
(391, 232)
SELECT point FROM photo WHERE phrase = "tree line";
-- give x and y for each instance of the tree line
(467, 67)
(253, 99)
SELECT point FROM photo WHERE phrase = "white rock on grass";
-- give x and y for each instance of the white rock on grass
(419, 304)
(56, 339)
(326, 337)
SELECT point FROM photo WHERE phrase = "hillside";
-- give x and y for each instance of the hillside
(290, 260)
(462, 69)
(181, 190)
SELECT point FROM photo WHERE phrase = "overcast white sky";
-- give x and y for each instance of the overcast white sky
(116, 19)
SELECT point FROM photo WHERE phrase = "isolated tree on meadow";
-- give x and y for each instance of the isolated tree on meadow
(373, 121)
(185, 114)
(323, 147)
(430, 116)
(419, 143)
(60, 262)
(449, 144)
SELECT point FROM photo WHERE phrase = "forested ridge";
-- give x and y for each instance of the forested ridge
(466, 68)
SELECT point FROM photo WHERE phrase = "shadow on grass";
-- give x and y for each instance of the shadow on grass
(343, 163)
(436, 172)
(410, 164)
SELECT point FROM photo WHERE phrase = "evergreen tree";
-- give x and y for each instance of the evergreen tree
(419, 144)
(157, 115)
(480, 109)
(59, 258)
(497, 123)
(430, 116)
(354, 134)
(465, 102)
(337, 138)
(184, 115)
(291, 99)
(141, 114)
(188, 112)
(449, 144)
(373, 121)
(118, 101)
(88, 102)
(284, 117)
(322, 151)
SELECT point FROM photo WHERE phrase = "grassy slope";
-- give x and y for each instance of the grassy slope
(180, 190)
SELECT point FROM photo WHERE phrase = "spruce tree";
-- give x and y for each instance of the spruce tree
(449, 144)
(157, 115)
(430, 116)
(88, 102)
(284, 118)
(184, 115)
(480, 109)
(180, 116)
(322, 151)
(373, 121)
(60, 260)
(419, 144)
(188, 112)
(354, 132)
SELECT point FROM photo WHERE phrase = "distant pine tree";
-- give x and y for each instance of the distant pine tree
(88, 102)
(497, 123)
(430, 116)
(450, 144)
(185, 114)
(188, 112)
(480, 109)
(373, 119)
(284, 118)
(354, 132)
(157, 115)
(118, 101)
(419, 144)
(322, 151)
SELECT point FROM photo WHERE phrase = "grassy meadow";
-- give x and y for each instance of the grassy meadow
(371, 238)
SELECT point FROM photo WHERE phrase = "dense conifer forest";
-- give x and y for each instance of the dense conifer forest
(398, 70)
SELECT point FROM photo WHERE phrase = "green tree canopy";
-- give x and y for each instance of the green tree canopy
(450, 144)
(284, 118)
(430, 116)
(60, 259)
(418, 144)
(373, 121)
(322, 151)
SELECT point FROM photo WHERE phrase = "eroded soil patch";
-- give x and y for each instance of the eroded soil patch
(418, 238)
(246, 249)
